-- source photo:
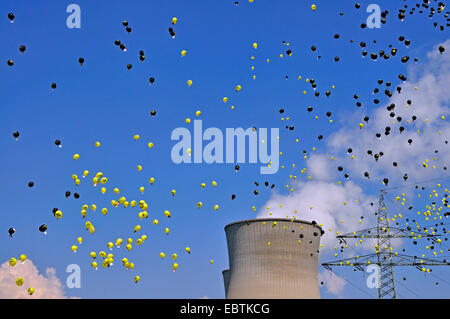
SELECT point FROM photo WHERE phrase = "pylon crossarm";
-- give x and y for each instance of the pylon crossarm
(386, 260)
(405, 260)
(364, 260)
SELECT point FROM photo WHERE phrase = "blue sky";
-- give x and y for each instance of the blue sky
(103, 101)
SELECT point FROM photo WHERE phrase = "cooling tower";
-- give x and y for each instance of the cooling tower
(273, 259)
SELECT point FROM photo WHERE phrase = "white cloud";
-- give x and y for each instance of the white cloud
(429, 102)
(318, 168)
(327, 204)
(47, 286)
(334, 284)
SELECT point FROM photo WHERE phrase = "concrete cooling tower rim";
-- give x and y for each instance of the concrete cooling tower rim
(274, 220)
(286, 270)
(289, 220)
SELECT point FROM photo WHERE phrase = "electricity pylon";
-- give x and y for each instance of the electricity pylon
(384, 257)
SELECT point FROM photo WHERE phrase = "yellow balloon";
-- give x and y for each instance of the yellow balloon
(189, 82)
(12, 261)
(19, 281)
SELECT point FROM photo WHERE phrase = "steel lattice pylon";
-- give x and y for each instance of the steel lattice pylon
(387, 286)
(384, 257)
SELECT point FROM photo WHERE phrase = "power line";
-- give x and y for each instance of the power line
(411, 291)
(448, 283)
(354, 285)
(384, 258)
